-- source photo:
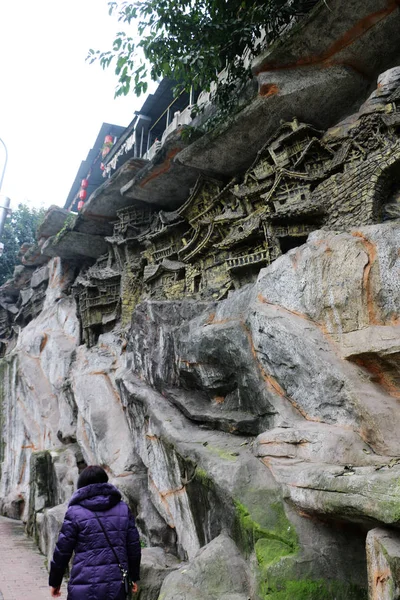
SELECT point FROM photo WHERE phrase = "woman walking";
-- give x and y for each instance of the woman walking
(101, 530)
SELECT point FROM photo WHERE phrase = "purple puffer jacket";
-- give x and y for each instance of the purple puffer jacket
(95, 574)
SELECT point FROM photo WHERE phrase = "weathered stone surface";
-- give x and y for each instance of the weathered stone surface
(102, 430)
(383, 555)
(282, 93)
(356, 35)
(54, 220)
(164, 181)
(156, 565)
(33, 257)
(213, 363)
(154, 530)
(151, 347)
(21, 278)
(339, 492)
(379, 340)
(38, 375)
(103, 204)
(218, 572)
(40, 276)
(49, 527)
(306, 358)
(345, 282)
(41, 488)
(316, 442)
(181, 459)
(74, 245)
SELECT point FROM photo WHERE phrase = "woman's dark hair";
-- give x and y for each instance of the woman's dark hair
(92, 474)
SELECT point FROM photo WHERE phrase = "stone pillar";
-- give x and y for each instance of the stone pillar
(383, 562)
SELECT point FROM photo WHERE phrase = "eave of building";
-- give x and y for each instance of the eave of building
(87, 164)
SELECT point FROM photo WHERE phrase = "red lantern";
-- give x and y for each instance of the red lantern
(81, 204)
(102, 167)
(82, 195)
(109, 139)
(84, 183)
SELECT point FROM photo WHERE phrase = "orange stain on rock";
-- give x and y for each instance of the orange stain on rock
(223, 321)
(210, 319)
(189, 363)
(326, 58)
(268, 89)
(219, 399)
(43, 342)
(271, 381)
(379, 375)
(371, 253)
(263, 300)
(161, 169)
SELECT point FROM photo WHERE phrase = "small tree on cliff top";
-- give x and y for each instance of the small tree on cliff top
(191, 41)
(20, 227)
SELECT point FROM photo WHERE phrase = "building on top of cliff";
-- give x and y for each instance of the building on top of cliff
(90, 174)
(159, 116)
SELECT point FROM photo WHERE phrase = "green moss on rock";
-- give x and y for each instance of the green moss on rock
(276, 548)
(270, 551)
(222, 453)
(248, 531)
(203, 477)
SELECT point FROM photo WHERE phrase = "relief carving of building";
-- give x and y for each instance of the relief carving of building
(303, 179)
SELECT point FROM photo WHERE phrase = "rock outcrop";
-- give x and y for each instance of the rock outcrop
(250, 417)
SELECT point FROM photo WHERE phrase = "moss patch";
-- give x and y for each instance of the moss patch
(68, 226)
(203, 477)
(273, 541)
(222, 453)
(249, 532)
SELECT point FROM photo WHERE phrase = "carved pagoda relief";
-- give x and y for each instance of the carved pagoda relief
(303, 179)
(98, 293)
(108, 290)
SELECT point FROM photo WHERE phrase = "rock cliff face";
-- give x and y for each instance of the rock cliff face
(255, 436)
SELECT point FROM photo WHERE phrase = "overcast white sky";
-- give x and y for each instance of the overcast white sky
(53, 103)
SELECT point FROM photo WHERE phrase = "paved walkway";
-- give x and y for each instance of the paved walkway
(23, 575)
